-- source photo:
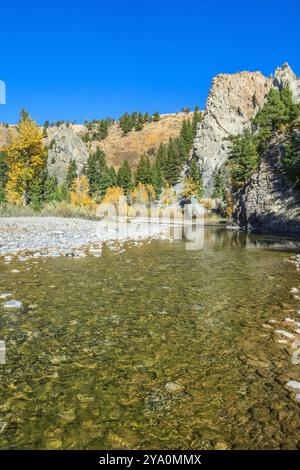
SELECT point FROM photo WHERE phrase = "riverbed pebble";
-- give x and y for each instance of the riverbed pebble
(294, 384)
(5, 296)
(13, 304)
(285, 333)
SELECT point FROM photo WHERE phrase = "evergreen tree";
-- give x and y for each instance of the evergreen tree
(143, 172)
(243, 158)
(173, 165)
(156, 116)
(112, 175)
(96, 167)
(24, 115)
(140, 122)
(195, 175)
(157, 178)
(124, 177)
(291, 158)
(161, 157)
(125, 123)
(187, 134)
(278, 110)
(219, 186)
(197, 117)
(50, 189)
(71, 174)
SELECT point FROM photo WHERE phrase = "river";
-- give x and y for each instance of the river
(156, 347)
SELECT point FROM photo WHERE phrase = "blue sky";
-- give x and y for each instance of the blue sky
(77, 60)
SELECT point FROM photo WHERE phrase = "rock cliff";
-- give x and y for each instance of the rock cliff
(233, 100)
(268, 202)
(64, 145)
(285, 77)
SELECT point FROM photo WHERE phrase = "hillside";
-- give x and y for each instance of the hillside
(116, 145)
(131, 146)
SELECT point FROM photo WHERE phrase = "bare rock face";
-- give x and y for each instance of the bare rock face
(285, 77)
(268, 202)
(233, 100)
(65, 145)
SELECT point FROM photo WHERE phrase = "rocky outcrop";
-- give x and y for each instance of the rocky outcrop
(232, 102)
(285, 77)
(269, 202)
(65, 145)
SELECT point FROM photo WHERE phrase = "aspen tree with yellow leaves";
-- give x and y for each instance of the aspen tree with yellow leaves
(79, 194)
(26, 160)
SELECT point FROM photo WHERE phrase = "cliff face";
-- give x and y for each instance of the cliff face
(64, 145)
(285, 77)
(268, 202)
(232, 102)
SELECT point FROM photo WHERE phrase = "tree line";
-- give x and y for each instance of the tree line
(24, 178)
(278, 114)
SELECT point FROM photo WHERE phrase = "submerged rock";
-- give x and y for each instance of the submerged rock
(293, 384)
(285, 333)
(5, 296)
(173, 387)
(13, 304)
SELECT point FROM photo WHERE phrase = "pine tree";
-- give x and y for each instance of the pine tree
(219, 186)
(50, 191)
(112, 176)
(156, 116)
(187, 134)
(124, 177)
(95, 169)
(157, 177)
(143, 172)
(161, 157)
(243, 158)
(173, 165)
(291, 158)
(278, 110)
(140, 122)
(197, 117)
(71, 174)
(195, 175)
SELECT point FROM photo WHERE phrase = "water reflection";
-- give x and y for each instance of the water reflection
(222, 238)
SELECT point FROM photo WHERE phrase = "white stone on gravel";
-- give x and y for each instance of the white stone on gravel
(294, 384)
(5, 296)
(294, 290)
(12, 304)
(14, 271)
(285, 333)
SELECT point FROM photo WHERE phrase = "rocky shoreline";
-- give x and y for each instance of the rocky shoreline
(56, 236)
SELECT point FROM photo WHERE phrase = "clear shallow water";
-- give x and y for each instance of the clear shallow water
(87, 367)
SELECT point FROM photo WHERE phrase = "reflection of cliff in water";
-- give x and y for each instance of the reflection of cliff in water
(218, 237)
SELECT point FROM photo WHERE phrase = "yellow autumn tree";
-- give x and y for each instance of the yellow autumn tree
(26, 159)
(168, 195)
(79, 194)
(113, 195)
(190, 188)
(140, 194)
(143, 193)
